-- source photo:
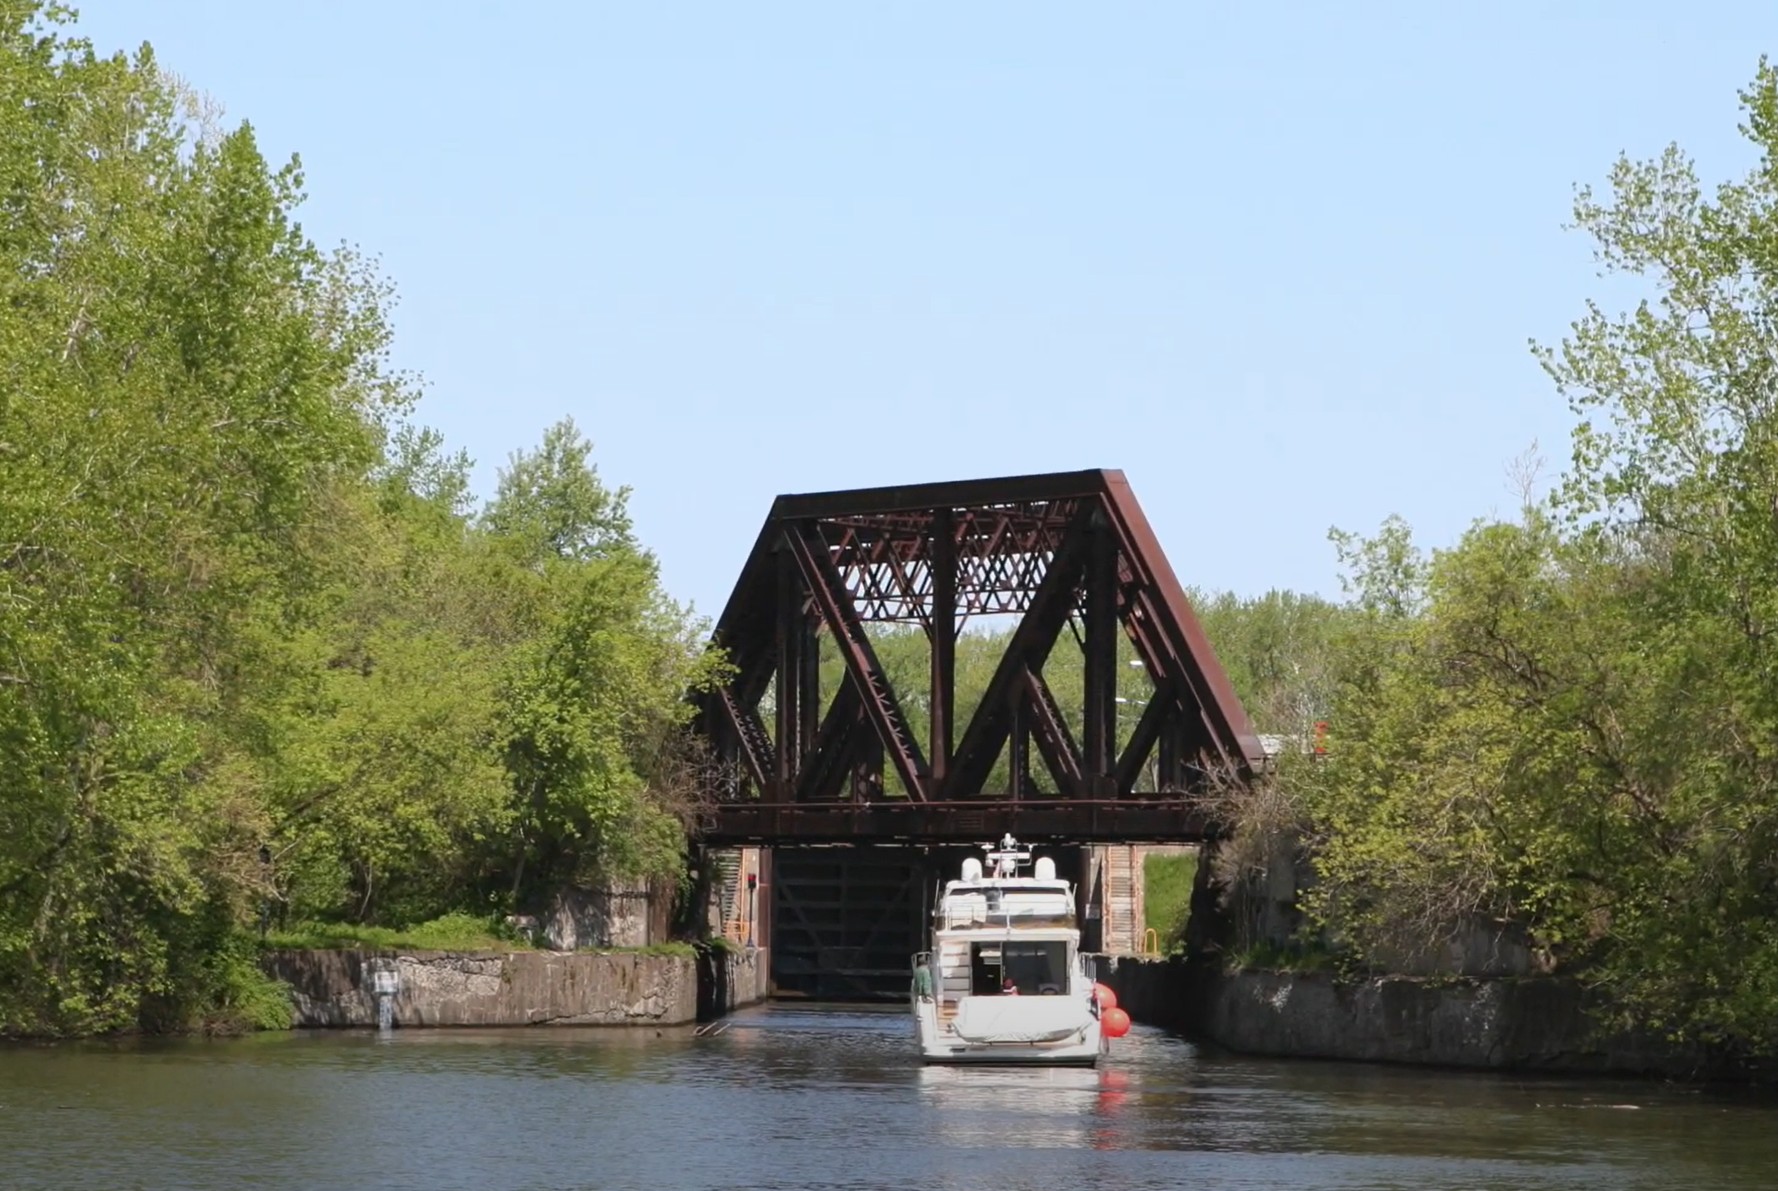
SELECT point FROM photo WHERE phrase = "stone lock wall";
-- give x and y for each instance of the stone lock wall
(1536, 1023)
(519, 988)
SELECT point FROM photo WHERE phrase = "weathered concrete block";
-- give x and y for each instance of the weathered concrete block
(614, 916)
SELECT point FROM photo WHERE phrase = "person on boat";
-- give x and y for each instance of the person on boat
(1008, 988)
(923, 981)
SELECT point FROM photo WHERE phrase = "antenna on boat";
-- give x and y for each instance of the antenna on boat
(1006, 861)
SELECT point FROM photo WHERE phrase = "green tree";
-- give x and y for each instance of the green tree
(1277, 649)
(256, 647)
(1676, 472)
(592, 697)
(185, 379)
(1572, 722)
(551, 503)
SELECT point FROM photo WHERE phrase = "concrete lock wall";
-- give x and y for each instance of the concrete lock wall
(519, 988)
(1524, 1024)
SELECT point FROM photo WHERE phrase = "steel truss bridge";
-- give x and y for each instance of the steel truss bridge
(1065, 557)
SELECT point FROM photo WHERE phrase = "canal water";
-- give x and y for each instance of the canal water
(794, 1096)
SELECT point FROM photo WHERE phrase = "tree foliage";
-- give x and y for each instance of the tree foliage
(1571, 721)
(256, 647)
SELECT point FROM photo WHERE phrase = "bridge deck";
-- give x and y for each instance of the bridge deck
(1069, 821)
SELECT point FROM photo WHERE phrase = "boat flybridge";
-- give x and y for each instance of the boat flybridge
(1004, 981)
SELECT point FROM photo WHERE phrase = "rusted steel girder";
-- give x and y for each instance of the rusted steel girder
(1061, 550)
(901, 821)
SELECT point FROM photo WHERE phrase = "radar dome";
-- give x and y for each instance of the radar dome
(1046, 868)
(972, 869)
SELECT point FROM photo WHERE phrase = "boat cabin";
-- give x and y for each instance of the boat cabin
(1000, 934)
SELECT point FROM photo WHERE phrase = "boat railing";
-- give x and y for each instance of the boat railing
(959, 919)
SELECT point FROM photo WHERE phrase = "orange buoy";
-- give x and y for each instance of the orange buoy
(1114, 1022)
(1107, 999)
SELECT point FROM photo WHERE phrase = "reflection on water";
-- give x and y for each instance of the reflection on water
(1016, 1107)
(827, 1096)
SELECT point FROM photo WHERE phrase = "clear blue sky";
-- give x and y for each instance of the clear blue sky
(1278, 262)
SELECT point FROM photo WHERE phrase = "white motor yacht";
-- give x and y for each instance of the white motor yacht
(1004, 980)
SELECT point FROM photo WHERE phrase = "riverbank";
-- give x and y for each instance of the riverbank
(335, 988)
(1516, 1024)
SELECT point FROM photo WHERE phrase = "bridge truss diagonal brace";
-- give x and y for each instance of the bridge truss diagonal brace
(1162, 707)
(863, 670)
(744, 724)
(1060, 754)
(1161, 656)
(1028, 649)
(835, 751)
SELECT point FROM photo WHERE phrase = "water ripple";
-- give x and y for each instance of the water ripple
(811, 1097)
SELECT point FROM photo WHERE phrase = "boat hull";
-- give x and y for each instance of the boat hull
(944, 1044)
(1006, 1056)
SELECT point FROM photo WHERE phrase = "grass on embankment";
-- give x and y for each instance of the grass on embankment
(452, 932)
(1167, 896)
